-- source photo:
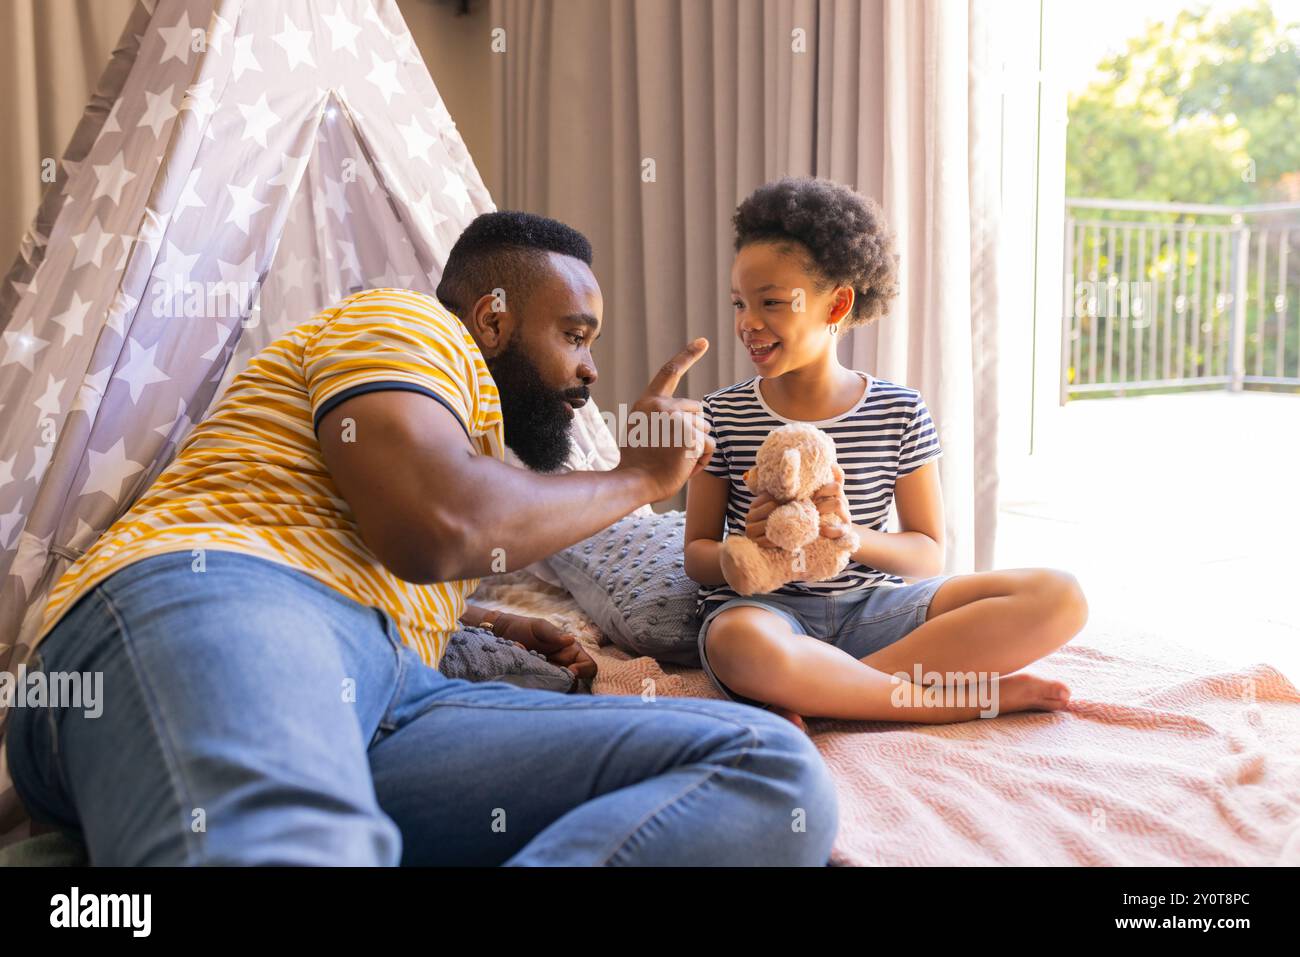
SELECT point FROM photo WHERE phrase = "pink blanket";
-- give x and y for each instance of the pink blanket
(1164, 758)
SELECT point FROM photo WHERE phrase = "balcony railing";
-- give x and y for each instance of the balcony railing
(1177, 295)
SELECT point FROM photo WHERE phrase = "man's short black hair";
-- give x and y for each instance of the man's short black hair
(505, 250)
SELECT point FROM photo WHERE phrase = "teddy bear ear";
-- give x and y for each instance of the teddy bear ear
(749, 479)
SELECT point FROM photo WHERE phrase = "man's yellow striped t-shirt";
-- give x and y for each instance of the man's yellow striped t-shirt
(250, 477)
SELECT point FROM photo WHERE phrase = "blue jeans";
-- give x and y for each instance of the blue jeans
(253, 715)
(859, 623)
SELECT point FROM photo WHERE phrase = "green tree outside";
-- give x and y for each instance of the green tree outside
(1201, 109)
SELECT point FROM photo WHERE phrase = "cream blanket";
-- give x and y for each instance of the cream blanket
(1164, 758)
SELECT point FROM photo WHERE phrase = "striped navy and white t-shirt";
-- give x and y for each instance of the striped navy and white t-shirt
(887, 434)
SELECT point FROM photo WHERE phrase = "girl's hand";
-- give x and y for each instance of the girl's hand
(538, 634)
(756, 521)
(833, 504)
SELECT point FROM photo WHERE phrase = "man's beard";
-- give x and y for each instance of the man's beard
(537, 418)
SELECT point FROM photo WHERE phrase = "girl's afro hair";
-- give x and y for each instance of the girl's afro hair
(843, 232)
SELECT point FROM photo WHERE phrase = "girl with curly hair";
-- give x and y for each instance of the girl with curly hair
(813, 260)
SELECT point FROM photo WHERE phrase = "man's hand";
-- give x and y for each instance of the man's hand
(538, 634)
(669, 468)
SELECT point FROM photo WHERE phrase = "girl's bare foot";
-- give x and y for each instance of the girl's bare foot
(1026, 692)
(794, 719)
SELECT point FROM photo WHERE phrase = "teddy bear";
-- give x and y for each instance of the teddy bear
(793, 462)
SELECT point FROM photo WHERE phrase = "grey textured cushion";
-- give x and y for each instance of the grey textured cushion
(475, 654)
(631, 581)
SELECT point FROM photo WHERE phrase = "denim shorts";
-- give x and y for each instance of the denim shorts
(857, 622)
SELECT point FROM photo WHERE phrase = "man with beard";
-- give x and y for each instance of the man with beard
(269, 616)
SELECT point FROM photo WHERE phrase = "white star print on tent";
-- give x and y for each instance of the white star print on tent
(22, 345)
(384, 75)
(295, 43)
(289, 153)
(244, 58)
(177, 39)
(258, 120)
(190, 198)
(159, 111)
(417, 140)
(343, 32)
(48, 404)
(74, 319)
(108, 470)
(110, 124)
(111, 178)
(139, 370)
(198, 98)
(246, 204)
(90, 245)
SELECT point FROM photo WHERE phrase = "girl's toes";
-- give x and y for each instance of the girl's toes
(1055, 695)
(1026, 692)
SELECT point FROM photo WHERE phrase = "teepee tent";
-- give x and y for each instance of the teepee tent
(241, 165)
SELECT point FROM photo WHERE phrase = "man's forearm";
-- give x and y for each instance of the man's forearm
(529, 516)
(906, 554)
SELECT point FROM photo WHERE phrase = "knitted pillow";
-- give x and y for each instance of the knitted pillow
(631, 581)
(475, 654)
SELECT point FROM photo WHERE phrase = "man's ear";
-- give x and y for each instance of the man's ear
(490, 324)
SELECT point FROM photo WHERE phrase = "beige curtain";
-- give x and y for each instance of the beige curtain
(896, 97)
(51, 55)
(899, 98)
